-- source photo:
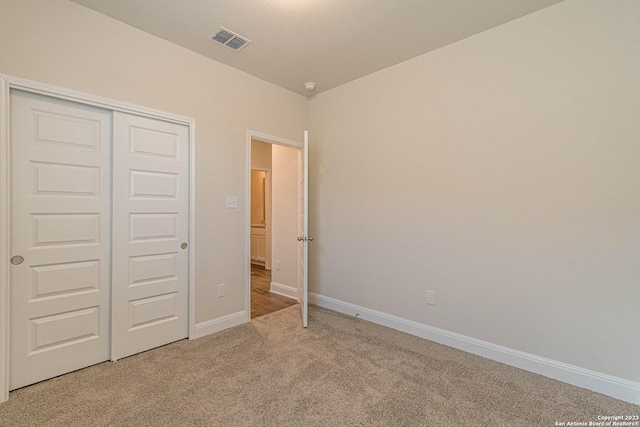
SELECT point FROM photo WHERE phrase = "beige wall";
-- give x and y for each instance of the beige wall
(61, 43)
(501, 172)
(285, 215)
(260, 154)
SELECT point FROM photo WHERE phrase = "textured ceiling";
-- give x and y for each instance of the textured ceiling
(329, 42)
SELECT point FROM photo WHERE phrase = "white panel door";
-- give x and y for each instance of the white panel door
(60, 218)
(150, 234)
(303, 230)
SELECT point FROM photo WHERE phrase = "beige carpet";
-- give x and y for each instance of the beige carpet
(341, 371)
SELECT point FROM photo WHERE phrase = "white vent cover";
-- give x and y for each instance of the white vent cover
(229, 39)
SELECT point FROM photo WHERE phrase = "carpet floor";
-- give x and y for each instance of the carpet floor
(341, 371)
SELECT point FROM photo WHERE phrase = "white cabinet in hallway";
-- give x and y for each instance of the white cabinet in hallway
(258, 245)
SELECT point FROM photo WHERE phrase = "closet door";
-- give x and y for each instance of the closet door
(150, 234)
(60, 237)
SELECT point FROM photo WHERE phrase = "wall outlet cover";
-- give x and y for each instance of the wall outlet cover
(431, 298)
(232, 202)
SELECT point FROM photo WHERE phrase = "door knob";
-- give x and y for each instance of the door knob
(17, 260)
(300, 238)
(311, 238)
(184, 246)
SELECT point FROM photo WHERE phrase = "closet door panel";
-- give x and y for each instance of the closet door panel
(60, 226)
(150, 226)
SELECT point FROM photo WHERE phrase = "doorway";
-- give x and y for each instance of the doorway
(272, 207)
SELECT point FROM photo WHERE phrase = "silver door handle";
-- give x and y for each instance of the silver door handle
(300, 238)
(311, 238)
(17, 260)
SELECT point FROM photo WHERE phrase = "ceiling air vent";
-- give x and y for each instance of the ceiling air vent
(229, 39)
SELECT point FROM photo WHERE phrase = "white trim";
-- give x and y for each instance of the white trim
(284, 290)
(619, 388)
(247, 205)
(216, 325)
(95, 100)
(10, 82)
(192, 227)
(4, 239)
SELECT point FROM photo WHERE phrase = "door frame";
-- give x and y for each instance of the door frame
(7, 83)
(270, 139)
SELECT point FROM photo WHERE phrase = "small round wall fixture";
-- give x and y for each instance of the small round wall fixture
(310, 86)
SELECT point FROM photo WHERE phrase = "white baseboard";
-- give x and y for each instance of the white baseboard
(224, 322)
(284, 290)
(619, 388)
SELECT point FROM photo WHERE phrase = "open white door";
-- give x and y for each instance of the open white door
(303, 230)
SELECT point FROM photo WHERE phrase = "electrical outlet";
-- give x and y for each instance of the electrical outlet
(277, 265)
(431, 298)
(222, 290)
